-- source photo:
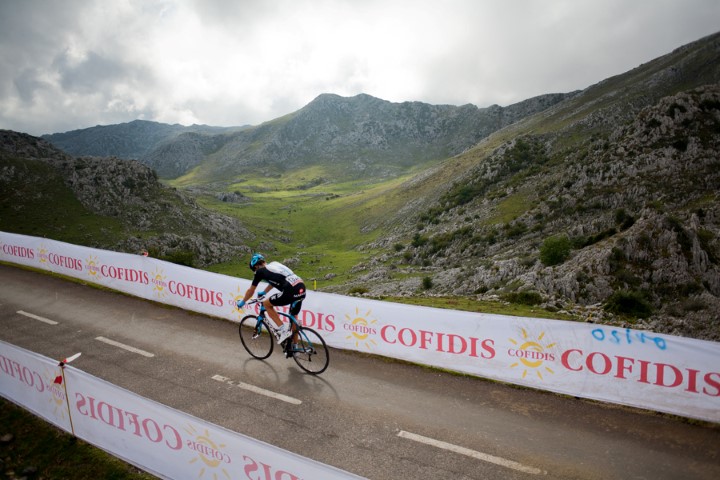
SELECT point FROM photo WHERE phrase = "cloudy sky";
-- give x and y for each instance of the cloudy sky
(71, 64)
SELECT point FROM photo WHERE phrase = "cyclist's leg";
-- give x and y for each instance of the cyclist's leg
(295, 308)
(296, 305)
(271, 311)
(294, 311)
(280, 299)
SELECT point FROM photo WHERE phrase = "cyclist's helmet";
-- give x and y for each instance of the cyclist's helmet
(256, 258)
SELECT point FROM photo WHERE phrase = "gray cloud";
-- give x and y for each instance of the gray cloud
(27, 82)
(87, 75)
(73, 64)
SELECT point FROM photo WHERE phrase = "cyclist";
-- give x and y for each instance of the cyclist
(291, 291)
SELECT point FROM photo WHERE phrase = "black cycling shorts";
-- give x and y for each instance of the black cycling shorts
(292, 295)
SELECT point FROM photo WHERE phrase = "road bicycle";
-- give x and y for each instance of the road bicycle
(305, 345)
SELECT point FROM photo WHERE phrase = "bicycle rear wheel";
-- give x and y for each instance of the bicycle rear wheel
(310, 352)
(256, 337)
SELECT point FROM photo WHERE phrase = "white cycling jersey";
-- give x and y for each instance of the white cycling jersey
(285, 271)
(276, 274)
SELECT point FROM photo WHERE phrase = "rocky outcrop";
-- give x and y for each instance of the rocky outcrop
(638, 206)
(131, 193)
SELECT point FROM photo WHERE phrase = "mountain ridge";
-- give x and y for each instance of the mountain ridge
(373, 136)
(131, 140)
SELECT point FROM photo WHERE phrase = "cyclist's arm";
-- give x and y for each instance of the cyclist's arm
(268, 288)
(249, 293)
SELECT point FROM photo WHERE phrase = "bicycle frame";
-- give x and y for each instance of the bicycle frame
(293, 324)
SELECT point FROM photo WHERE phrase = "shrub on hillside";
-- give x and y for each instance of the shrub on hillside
(358, 291)
(555, 250)
(181, 257)
(629, 303)
(525, 298)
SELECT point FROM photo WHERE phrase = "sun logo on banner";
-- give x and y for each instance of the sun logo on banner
(158, 279)
(238, 295)
(531, 354)
(43, 254)
(360, 329)
(57, 397)
(209, 454)
(93, 266)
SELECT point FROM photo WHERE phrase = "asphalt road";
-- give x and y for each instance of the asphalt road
(375, 417)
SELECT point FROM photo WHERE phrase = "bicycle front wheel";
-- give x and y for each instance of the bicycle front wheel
(256, 337)
(310, 352)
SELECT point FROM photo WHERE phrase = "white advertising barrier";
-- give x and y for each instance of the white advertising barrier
(638, 368)
(29, 379)
(166, 442)
(137, 275)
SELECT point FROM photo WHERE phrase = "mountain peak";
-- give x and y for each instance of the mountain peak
(326, 98)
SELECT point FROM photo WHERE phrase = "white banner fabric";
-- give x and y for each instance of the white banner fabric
(632, 367)
(35, 382)
(163, 441)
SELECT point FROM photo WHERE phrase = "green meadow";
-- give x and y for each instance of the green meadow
(321, 226)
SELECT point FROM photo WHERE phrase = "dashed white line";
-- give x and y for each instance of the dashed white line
(36, 317)
(125, 347)
(258, 390)
(503, 462)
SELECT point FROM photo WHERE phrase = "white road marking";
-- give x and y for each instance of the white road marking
(471, 453)
(258, 390)
(126, 347)
(42, 319)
